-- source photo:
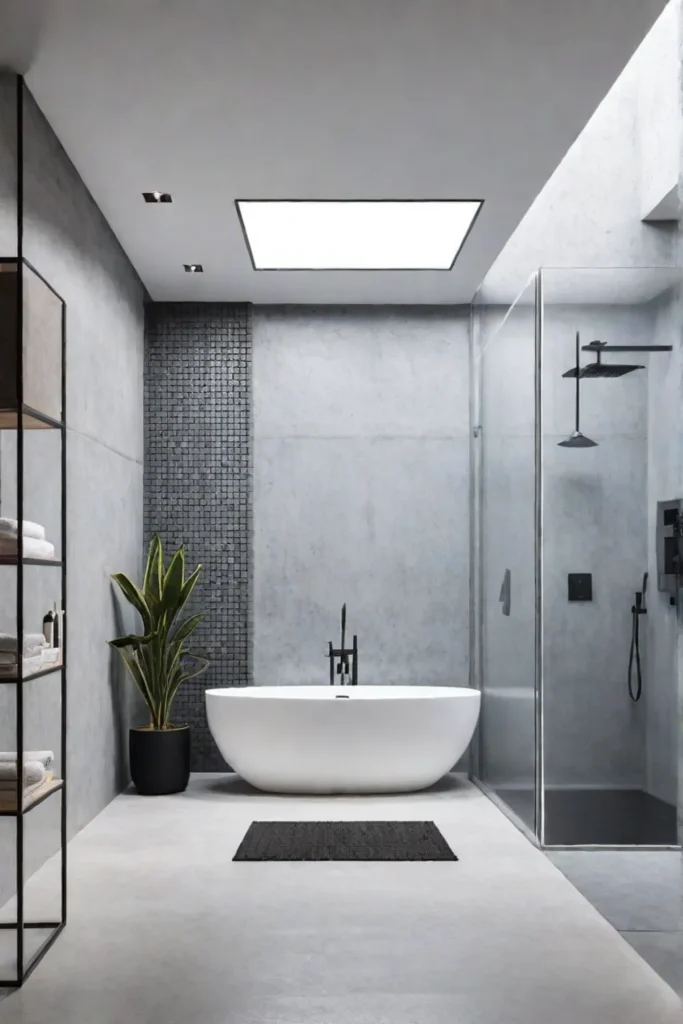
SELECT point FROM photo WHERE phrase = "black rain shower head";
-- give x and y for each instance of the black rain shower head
(598, 369)
(603, 370)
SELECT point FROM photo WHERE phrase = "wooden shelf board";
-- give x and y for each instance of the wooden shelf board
(31, 420)
(56, 666)
(14, 560)
(8, 802)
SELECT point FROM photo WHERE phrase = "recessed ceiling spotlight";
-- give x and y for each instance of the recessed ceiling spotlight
(356, 234)
(157, 197)
(193, 268)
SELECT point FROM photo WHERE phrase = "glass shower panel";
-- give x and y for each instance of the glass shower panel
(609, 633)
(505, 358)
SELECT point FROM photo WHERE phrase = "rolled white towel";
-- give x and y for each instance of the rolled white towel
(10, 528)
(33, 642)
(44, 757)
(34, 772)
(31, 548)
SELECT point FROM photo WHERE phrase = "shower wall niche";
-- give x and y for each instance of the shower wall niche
(567, 535)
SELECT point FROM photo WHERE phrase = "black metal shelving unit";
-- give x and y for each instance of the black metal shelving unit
(15, 270)
(21, 386)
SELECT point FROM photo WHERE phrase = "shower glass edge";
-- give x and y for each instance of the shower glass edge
(506, 488)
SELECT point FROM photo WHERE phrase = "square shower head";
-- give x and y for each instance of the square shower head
(603, 370)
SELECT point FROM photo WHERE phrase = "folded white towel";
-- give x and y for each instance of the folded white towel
(50, 655)
(44, 757)
(29, 666)
(33, 772)
(7, 788)
(33, 642)
(32, 548)
(11, 658)
(10, 528)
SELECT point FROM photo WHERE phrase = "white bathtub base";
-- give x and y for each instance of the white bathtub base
(352, 740)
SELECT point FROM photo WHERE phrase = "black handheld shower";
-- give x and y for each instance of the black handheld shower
(637, 610)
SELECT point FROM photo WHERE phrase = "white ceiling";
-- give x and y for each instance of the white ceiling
(215, 100)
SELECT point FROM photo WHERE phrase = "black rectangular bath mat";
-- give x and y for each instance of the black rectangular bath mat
(344, 840)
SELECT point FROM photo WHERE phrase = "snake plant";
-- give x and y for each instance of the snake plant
(157, 658)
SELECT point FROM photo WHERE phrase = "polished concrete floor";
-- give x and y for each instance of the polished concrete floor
(640, 894)
(165, 929)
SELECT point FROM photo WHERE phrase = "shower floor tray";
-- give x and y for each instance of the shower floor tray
(598, 817)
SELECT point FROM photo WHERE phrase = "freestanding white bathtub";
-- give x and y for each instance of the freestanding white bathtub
(342, 739)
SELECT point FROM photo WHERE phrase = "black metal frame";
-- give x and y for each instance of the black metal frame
(25, 968)
(355, 270)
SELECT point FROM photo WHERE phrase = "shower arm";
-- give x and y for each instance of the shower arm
(601, 346)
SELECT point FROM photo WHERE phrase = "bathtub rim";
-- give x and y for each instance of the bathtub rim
(322, 692)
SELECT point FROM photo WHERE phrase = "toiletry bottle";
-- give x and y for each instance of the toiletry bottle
(56, 632)
(49, 628)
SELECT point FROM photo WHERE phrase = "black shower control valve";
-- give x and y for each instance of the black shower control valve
(580, 586)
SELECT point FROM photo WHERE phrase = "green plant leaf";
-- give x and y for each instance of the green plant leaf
(134, 597)
(179, 556)
(186, 627)
(172, 587)
(138, 675)
(188, 586)
(204, 663)
(182, 678)
(149, 584)
(158, 567)
(132, 640)
(154, 571)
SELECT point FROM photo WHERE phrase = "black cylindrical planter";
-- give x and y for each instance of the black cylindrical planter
(160, 760)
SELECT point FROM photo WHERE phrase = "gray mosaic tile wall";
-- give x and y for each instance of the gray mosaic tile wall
(198, 484)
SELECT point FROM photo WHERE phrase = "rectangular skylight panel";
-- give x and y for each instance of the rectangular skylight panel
(356, 235)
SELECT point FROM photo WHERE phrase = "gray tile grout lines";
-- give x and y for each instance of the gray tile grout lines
(198, 483)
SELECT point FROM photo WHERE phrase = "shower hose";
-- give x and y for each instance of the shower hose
(638, 609)
(636, 692)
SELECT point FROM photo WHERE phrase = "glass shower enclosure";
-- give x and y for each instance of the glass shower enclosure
(574, 640)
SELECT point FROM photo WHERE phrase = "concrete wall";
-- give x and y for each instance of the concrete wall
(361, 492)
(69, 242)
(657, 111)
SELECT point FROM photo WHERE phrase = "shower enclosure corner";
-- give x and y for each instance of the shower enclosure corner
(574, 410)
